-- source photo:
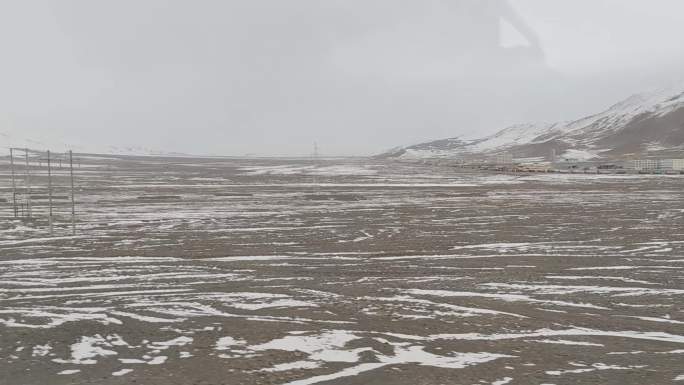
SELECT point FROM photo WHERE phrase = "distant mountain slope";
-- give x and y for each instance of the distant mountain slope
(642, 125)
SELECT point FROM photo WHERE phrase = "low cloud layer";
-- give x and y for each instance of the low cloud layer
(270, 77)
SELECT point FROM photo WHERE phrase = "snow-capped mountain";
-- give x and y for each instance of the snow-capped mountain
(642, 125)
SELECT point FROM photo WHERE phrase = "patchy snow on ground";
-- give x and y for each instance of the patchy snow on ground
(423, 277)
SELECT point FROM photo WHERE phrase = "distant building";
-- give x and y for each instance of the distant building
(672, 165)
(646, 164)
(658, 164)
(609, 166)
(534, 167)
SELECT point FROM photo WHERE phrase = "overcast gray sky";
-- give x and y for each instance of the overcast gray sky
(270, 77)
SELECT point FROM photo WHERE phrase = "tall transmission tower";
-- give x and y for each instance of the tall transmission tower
(14, 185)
(73, 199)
(49, 170)
(315, 168)
(28, 183)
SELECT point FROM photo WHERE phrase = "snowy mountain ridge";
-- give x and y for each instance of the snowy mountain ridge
(641, 124)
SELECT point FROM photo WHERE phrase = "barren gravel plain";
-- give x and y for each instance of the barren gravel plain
(344, 272)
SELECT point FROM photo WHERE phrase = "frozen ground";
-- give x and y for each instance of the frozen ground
(244, 272)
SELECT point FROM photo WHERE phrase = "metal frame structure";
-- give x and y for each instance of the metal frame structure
(27, 209)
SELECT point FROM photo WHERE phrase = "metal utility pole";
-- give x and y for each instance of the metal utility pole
(73, 199)
(14, 184)
(50, 192)
(28, 184)
(315, 178)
